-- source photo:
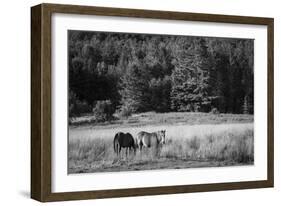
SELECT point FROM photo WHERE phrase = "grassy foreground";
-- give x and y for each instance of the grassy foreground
(187, 147)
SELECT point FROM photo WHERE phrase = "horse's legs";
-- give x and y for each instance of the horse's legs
(130, 149)
(157, 149)
(119, 151)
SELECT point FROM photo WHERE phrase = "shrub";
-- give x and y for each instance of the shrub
(76, 106)
(103, 110)
(214, 111)
(125, 111)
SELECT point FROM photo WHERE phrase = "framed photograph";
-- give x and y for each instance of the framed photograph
(130, 102)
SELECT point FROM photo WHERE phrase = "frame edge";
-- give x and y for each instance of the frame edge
(36, 138)
(158, 14)
(270, 91)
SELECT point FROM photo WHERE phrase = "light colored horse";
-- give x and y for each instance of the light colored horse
(148, 140)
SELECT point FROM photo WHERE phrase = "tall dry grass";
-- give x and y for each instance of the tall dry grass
(226, 146)
(232, 146)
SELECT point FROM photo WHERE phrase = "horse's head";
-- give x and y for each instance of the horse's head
(162, 136)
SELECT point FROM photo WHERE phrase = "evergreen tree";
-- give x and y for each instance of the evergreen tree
(135, 88)
(184, 79)
(191, 89)
(204, 71)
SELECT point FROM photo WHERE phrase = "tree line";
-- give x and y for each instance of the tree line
(130, 73)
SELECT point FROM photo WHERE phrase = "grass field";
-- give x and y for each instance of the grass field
(170, 118)
(192, 140)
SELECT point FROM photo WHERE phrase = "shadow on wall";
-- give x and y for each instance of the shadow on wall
(24, 193)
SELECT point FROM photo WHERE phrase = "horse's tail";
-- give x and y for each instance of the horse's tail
(136, 141)
(139, 140)
(135, 145)
(115, 143)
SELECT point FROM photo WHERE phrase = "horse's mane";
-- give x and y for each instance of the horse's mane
(159, 135)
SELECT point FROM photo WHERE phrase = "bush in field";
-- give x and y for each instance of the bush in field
(103, 111)
(214, 111)
(76, 106)
(125, 111)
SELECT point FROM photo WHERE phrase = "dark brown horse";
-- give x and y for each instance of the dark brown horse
(122, 140)
(154, 139)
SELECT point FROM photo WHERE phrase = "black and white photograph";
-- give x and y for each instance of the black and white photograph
(157, 101)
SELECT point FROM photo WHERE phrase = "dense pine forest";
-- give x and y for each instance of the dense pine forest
(122, 73)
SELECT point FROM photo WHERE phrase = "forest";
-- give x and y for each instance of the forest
(123, 73)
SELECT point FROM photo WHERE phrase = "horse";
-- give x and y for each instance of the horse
(148, 140)
(123, 140)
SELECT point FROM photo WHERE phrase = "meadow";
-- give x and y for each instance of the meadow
(192, 140)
